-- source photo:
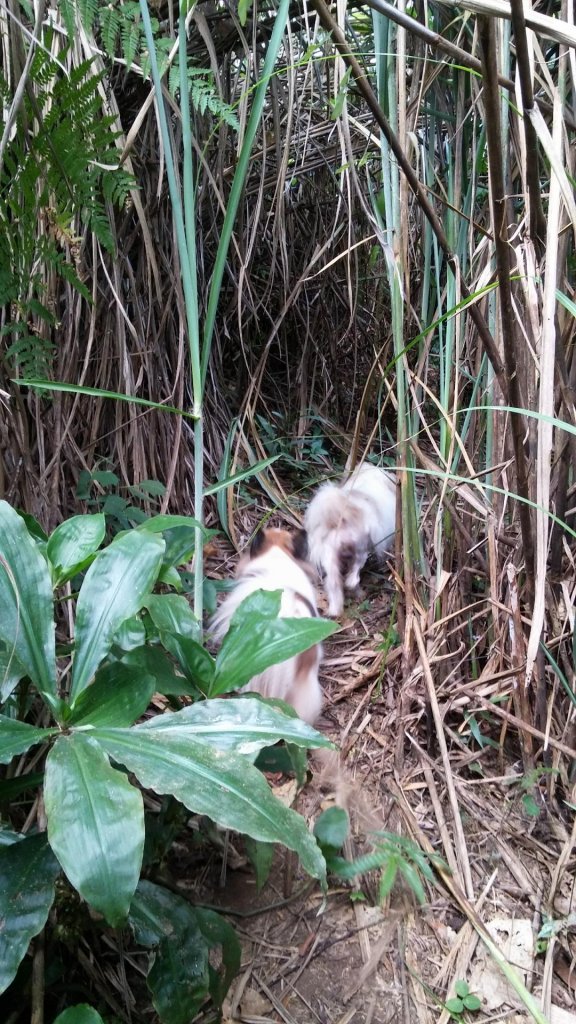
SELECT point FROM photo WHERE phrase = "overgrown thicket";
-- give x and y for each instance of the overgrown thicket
(400, 282)
(400, 268)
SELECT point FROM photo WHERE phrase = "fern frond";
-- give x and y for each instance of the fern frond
(203, 94)
(88, 11)
(30, 355)
(163, 48)
(131, 35)
(68, 12)
(116, 187)
(110, 23)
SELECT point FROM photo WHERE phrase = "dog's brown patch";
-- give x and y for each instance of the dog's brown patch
(305, 663)
(272, 537)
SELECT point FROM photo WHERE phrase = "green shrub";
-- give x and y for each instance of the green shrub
(77, 693)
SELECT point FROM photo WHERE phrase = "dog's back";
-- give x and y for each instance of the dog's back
(344, 523)
(375, 489)
(276, 562)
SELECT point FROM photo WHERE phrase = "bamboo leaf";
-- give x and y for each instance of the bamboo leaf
(244, 474)
(95, 824)
(79, 389)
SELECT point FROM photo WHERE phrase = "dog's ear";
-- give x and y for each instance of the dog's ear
(258, 544)
(300, 545)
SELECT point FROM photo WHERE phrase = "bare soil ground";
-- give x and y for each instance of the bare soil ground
(507, 842)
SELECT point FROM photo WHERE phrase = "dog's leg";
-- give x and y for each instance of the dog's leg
(306, 693)
(333, 584)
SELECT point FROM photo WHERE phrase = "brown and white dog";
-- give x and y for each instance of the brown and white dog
(346, 523)
(277, 561)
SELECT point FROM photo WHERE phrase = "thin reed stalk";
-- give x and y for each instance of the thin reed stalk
(501, 219)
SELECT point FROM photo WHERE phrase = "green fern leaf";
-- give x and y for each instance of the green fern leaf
(30, 356)
(88, 11)
(109, 28)
(131, 35)
(68, 12)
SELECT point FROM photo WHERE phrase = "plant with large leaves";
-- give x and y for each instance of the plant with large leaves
(79, 702)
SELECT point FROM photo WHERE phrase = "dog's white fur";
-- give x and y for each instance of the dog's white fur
(346, 523)
(276, 565)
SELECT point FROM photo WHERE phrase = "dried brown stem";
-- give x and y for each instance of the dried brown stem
(415, 185)
(537, 219)
(500, 214)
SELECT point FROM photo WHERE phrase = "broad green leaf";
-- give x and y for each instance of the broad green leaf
(243, 725)
(157, 524)
(118, 696)
(221, 784)
(73, 545)
(277, 759)
(154, 487)
(461, 988)
(28, 872)
(113, 590)
(181, 977)
(80, 1014)
(154, 661)
(172, 612)
(17, 737)
(95, 824)
(11, 672)
(8, 838)
(194, 660)
(332, 829)
(243, 8)
(260, 856)
(33, 527)
(217, 932)
(131, 635)
(265, 603)
(454, 1005)
(180, 545)
(258, 642)
(12, 788)
(26, 619)
(171, 577)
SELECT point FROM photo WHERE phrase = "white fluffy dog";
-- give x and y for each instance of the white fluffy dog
(346, 523)
(277, 561)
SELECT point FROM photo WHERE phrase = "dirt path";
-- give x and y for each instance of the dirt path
(345, 959)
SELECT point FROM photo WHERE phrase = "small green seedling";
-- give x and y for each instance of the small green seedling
(463, 1000)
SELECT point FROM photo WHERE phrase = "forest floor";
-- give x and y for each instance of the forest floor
(506, 841)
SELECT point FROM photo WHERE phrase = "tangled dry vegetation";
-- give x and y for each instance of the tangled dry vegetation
(343, 327)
